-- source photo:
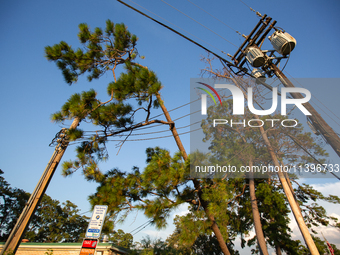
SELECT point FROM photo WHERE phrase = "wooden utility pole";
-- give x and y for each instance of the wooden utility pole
(20, 227)
(318, 122)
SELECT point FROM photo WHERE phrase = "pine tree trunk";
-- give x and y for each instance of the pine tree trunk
(278, 250)
(256, 215)
(292, 202)
(180, 146)
(217, 232)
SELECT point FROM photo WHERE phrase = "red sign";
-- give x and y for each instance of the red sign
(87, 251)
(90, 243)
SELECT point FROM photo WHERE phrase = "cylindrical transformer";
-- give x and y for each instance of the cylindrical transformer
(259, 75)
(283, 43)
(255, 57)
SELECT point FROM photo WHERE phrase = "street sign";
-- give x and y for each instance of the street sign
(90, 243)
(96, 223)
(87, 251)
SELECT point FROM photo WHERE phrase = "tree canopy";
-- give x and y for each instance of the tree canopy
(53, 222)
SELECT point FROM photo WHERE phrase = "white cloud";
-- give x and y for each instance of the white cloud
(181, 210)
(328, 188)
(156, 234)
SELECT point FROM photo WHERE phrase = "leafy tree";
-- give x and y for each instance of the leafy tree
(12, 203)
(52, 222)
(121, 239)
(147, 246)
(204, 243)
(322, 246)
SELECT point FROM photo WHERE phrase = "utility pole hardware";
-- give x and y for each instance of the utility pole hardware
(265, 63)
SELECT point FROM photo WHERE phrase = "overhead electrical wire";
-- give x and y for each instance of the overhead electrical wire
(176, 32)
(251, 9)
(200, 24)
(141, 226)
(215, 17)
(319, 102)
(175, 109)
(225, 61)
(163, 131)
(176, 26)
(296, 141)
(152, 138)
(293, 139)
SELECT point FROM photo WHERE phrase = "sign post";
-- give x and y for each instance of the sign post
(96, 223)
(94, 230)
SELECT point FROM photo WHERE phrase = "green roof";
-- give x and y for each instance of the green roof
(73, 245)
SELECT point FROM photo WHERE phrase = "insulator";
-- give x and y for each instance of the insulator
(259, 75)
(255, 57)
(283, 43)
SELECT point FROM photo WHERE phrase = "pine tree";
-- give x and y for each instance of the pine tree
(104, 52)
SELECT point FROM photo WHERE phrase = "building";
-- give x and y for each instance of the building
(65, 249)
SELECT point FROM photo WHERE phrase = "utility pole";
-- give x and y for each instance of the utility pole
(20, 227)
(317, 121)
(285, 186)
(265, 63)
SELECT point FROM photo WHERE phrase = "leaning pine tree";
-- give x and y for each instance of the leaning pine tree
(102, 52)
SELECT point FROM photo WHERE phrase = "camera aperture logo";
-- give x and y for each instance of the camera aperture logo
(238, 99)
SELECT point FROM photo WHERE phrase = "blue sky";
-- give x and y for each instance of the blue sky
(33, 88)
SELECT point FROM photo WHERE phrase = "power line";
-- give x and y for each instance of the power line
(251, 9)
(296, 141)
(200, 23)
(149, 221)
(176, 26)
(215, 17)
(175, 108)
(153, 138)
(180, 34)
(319, 102)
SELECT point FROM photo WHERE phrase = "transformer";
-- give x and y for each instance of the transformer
(255, 57)
(283, 43)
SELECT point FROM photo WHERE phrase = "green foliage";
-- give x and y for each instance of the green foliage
(98, 54)
(154, 191)
(138, 83)
(49, 252)
(189, 238)
(102, 52)
(121, 239)
(322, 246)
(9, 252)
(52, 222)
(147, 246)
